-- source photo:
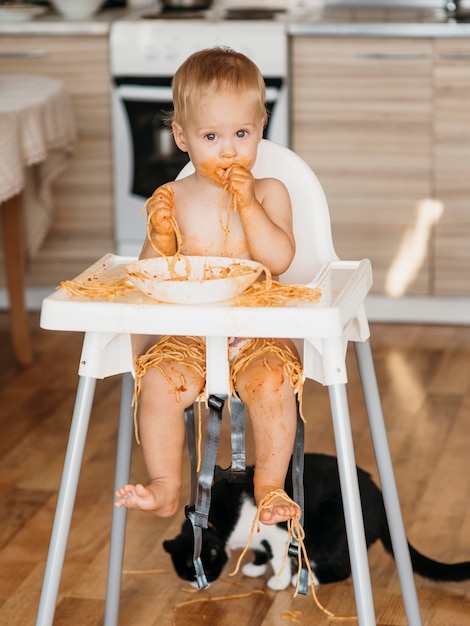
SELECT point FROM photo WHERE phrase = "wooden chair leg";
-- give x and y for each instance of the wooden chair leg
(14, 268)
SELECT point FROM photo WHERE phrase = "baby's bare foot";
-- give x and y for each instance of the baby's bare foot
(158, 497)
(276, 506)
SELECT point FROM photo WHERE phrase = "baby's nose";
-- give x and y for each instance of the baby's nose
(228, 150)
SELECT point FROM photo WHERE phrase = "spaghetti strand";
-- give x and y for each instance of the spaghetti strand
(94, 288)
(296, 532)
(168, 348)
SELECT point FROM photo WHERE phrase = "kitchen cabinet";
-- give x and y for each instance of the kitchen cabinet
(83, 225)
(362, 117)
(452, 166)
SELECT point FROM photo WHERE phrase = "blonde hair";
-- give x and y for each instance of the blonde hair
(215, 69)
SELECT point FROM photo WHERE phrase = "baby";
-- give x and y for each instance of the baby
(219, 116)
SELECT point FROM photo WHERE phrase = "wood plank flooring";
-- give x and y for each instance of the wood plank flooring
(424, 377)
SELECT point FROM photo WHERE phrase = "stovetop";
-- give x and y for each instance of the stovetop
(232, 13)
(175, 14)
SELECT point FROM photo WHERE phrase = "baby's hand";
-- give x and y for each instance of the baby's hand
(241, 185)
(160, 208)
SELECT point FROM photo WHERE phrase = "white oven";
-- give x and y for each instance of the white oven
(145, 53)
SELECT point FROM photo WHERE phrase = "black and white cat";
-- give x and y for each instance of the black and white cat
(233, 510)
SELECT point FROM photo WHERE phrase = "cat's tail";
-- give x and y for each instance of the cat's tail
(429, 568)
(435, 570)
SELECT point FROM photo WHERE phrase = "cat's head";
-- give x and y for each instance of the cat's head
(213, 553)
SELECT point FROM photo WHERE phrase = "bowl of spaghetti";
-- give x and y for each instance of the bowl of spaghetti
(193, 279)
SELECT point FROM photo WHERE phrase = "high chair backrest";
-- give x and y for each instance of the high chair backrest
(312, 228)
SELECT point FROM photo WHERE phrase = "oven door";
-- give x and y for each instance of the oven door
(146, 156)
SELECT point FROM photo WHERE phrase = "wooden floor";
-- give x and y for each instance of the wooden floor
(424, 377)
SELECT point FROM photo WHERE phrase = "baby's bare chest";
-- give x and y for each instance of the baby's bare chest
(212, 233)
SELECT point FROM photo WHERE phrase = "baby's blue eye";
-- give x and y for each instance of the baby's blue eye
(210, 136)
(241, 133)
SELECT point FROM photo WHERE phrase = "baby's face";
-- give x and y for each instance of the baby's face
(224, 128)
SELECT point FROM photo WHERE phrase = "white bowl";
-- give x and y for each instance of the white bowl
(193, 279)
(77, 9)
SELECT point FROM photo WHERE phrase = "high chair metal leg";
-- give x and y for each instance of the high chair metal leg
(352, 505)
(119, 516)
(387, 479)
(66, 500)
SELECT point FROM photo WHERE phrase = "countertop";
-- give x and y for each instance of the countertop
(50, 23)
(333, 21)
(377, 22)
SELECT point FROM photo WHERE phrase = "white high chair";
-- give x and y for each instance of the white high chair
(324, 328)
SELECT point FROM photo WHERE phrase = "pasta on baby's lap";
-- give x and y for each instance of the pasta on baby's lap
(191, 351)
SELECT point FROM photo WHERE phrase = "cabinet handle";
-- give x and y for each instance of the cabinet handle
(23, 54)
(393, 56)
(459, 56)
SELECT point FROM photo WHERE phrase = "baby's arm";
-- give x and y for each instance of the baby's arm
(160, 209)
(266, 214)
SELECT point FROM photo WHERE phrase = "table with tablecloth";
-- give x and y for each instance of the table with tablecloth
(37, 138)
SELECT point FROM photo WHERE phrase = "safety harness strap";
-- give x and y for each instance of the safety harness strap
(192, 451)
(237, 418)
(298, 495)
(206, 475)
(189, 510)
(197, 511)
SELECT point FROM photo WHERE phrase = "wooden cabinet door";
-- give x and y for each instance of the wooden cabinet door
(452, 166)
(83, 228)
(362, 119)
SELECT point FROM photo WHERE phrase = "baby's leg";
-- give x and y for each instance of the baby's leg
(166, 391)
(270, 399)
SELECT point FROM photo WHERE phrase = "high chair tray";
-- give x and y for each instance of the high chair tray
(343, 285)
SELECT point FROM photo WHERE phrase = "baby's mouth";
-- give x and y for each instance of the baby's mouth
(216, 171)
(222, 172)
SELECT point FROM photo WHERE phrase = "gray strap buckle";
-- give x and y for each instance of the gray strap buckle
(189, 510)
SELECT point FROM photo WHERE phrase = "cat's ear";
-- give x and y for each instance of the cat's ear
(169, 545)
